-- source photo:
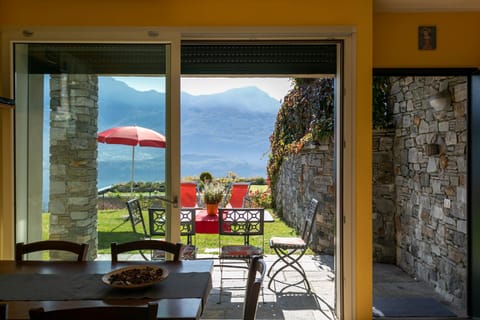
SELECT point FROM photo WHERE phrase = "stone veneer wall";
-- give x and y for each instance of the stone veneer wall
(73, 159)
(383, 206)
(430, 171)
(309, 174)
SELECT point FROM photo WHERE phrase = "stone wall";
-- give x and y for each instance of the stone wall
(303, 176)
(419, 185)
(383, 205)
(73, 159)
(430, 181)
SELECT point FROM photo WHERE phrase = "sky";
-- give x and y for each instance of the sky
(277, 88)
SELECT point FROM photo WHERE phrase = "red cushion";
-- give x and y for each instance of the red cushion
(239, 251)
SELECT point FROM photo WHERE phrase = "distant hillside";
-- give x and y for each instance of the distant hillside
(221, 133)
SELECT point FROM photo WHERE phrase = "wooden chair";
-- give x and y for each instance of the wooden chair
(243, 223)
(148, 312)
(80, 249)
(289, 250)
(3, 311)
(256, 274)
(139, 245)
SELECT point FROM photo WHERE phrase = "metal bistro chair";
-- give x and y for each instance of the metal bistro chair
(157, 223)
(148, 312)
(136, 219)
(244, 223)
(290, 249)
(80, 250)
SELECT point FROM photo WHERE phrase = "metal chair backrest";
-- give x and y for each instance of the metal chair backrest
(157, 221)
(136, 217)
(256, 274)
(79, 249)
(241, 222)
(139, 245)
(188, 194)
(148, 312)
(309, 220)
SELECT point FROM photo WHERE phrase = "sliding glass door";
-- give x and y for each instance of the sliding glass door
(68, 94)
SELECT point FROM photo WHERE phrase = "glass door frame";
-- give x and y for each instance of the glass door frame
(346, 285)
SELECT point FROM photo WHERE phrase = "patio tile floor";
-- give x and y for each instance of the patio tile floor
(294, 303)
(285, 303)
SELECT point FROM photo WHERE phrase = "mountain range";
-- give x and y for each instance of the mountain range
(220, 133)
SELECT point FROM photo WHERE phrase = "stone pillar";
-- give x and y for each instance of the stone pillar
(73, 159)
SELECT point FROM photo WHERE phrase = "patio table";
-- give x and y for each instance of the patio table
(60, 284)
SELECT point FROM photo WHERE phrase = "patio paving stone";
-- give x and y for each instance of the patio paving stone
(294, 303)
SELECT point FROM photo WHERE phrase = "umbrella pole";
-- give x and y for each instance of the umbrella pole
(131, 181)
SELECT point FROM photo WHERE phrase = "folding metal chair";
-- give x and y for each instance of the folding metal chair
(243, 223)
(290, 249)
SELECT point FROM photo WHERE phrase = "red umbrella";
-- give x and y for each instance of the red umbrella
(132, 136)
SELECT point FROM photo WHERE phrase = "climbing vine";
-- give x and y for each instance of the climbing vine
(305, 116)
(382, 112)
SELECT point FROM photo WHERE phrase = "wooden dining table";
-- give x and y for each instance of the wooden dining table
(54, 285)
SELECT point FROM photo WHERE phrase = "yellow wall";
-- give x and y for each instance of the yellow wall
(6, 182)
(194, 13)
(184, 13)
(395, 43)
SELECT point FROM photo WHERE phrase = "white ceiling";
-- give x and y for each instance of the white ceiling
(425, 5)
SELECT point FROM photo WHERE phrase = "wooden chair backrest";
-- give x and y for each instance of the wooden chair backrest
(80, 249)
(148, 312)
(173, 248)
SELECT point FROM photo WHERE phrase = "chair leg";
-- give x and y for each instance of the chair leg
(221, 282)
(286, 257)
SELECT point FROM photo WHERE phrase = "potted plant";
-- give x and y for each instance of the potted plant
(213, 193)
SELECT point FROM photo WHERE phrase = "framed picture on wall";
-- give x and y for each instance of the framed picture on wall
(427, 37)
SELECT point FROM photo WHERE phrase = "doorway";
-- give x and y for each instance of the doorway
(170, 171)
(431, 238)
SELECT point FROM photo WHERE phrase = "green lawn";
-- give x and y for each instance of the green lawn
(109, 219)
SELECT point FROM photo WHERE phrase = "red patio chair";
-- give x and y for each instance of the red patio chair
(188, 194)
(238, 193)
